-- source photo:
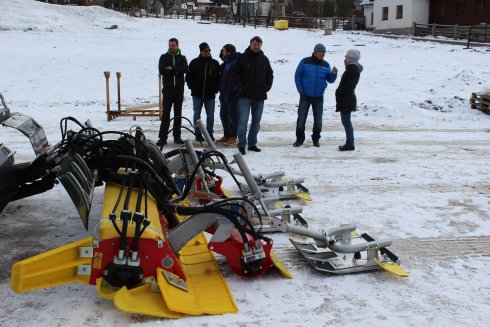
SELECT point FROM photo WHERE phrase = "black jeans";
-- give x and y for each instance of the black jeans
(171, 96)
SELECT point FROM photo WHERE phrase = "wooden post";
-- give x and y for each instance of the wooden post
(107, 75)
(433, 29)
(469, 37)
(118, 75)
(455, 36)
(160, 105)
(414, 26)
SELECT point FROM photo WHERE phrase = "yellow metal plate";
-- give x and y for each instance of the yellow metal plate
(104, 289)
(52, 268)
(141, 300)
(208, 292)
(303, 196)
(279, 265)
(392, 268)
(226, 192)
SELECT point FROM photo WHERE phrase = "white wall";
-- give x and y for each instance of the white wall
(413, 10)
(367, 15)
(421, 12)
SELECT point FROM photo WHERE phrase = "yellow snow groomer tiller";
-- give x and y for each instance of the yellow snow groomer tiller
(148, 252)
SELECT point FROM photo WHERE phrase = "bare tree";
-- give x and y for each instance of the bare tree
(345, 8)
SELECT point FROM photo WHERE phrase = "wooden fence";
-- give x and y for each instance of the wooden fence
(339, 23)
(475, 33)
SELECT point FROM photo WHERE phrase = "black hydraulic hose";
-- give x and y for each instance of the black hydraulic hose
(201, 160)
(226, 202)
(138, 220)
(165, 206)
(113, 159)
(114, 145)
(225, 162)
(140, 198)
(125, 215)
(130, 190)
(65, 120)
(120, 192)
(160, 164)
(226, 213)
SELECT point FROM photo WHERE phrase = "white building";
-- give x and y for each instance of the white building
(395, 16)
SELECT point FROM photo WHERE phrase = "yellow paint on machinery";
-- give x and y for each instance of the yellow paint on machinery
(279, 265)
(206, 289)
(392, 268)
(142, 300)
(107, 231)
(67, 264)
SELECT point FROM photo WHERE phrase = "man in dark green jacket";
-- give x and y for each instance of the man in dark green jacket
(172, 66)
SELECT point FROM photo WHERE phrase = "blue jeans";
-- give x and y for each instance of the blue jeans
(303, 108)
(245, 106)
(229, 114)
(349, 130)
(197, 103)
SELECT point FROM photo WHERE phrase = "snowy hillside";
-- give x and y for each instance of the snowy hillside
(419, 175)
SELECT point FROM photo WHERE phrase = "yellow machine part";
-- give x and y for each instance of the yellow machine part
(142, 300)
(204, 292)
(279, 265)
(392, 268)
(303, 196)
(67, 264)
(105, 290)
(206, 289)
(111, 194)
(208, 292)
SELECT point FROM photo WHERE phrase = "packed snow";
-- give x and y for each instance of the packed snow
(419, 175)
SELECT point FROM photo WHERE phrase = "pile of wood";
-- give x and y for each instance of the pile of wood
(480, 101)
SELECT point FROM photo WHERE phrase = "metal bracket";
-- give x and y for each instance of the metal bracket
(85, 252)
(174, 280)
(84, 270)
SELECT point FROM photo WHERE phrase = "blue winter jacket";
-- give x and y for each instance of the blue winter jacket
(312, 75)
(228, 86)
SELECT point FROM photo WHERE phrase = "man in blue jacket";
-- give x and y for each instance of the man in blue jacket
(311, 77)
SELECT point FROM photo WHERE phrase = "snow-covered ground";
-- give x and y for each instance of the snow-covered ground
(419, 175)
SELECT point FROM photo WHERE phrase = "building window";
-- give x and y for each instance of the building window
(385, 13)
(460, 8)
(372, 18)
(399, 12)
(442, 10)
(480, 6)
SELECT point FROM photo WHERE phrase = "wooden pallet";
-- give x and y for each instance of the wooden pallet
(481, 102)
(145, 110)
(137, 111)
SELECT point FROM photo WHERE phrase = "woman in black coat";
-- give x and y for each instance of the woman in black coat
(346, 97)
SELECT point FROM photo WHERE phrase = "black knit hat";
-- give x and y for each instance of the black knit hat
(203, 46)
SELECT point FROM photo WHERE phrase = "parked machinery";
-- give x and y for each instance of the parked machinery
(148, 252)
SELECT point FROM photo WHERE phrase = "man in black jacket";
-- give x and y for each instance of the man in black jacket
(254, 75)
(203, 79)
(172, 66)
